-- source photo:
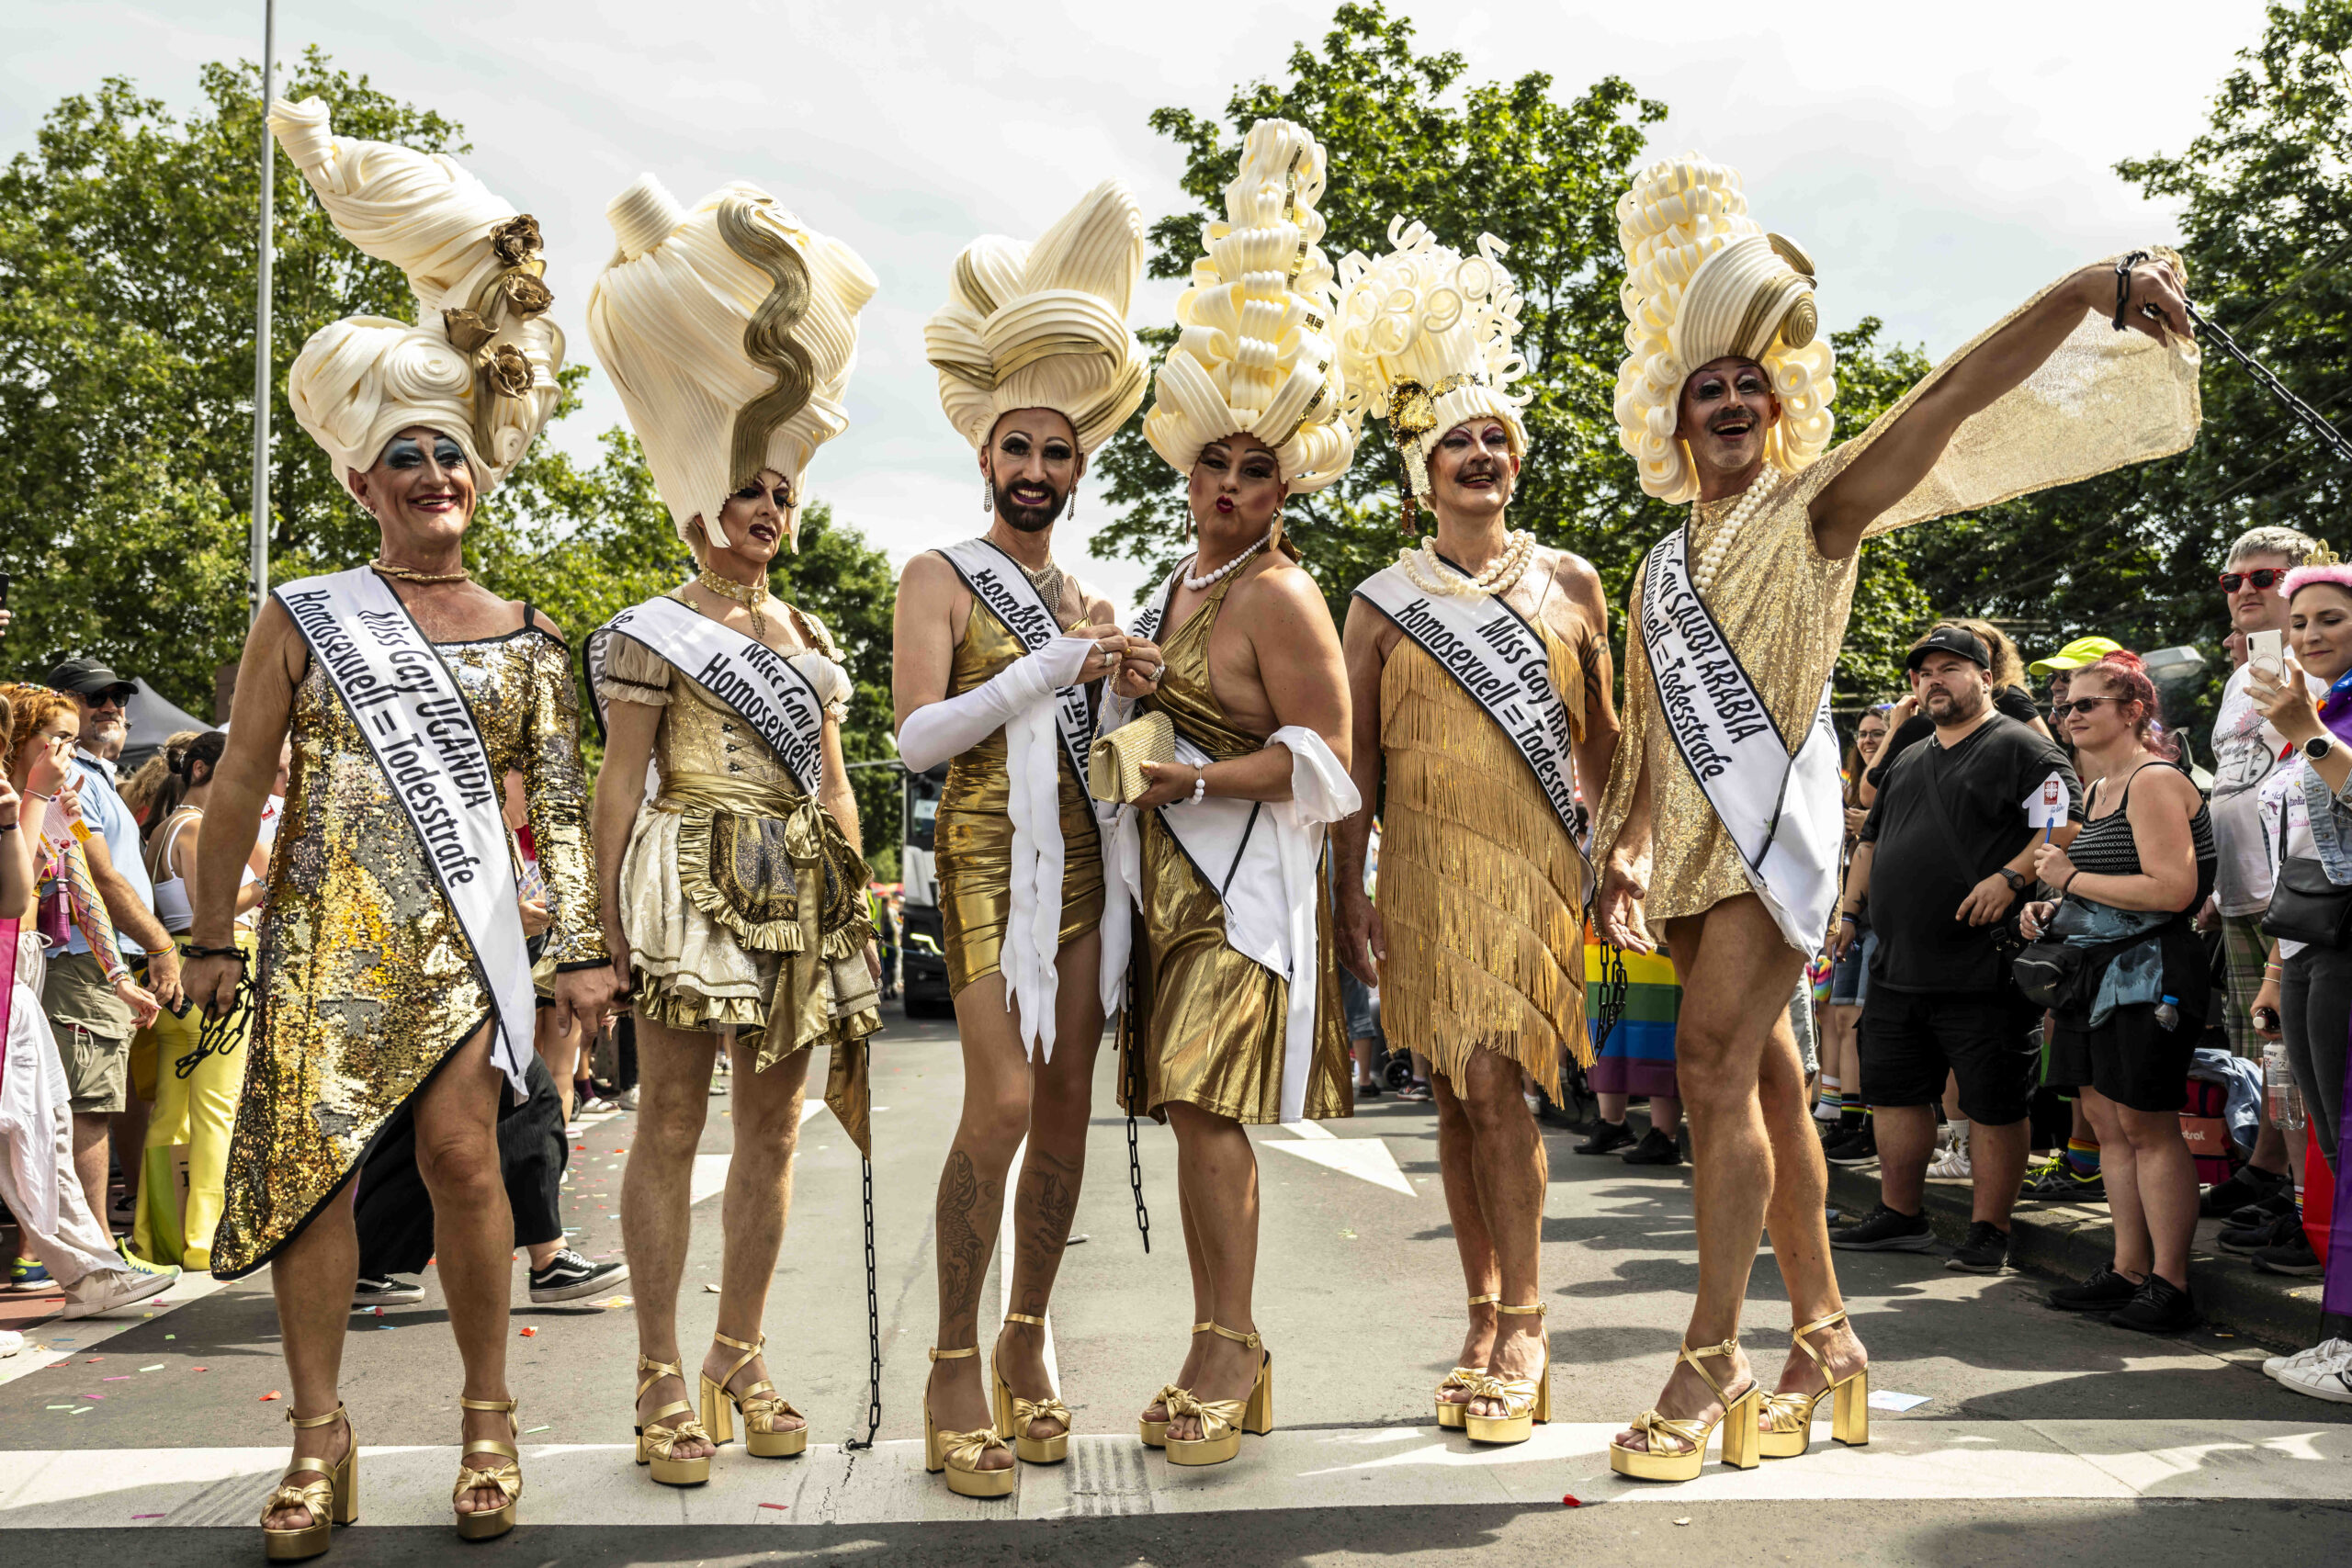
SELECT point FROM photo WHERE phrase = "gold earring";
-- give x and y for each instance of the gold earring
(987, 494)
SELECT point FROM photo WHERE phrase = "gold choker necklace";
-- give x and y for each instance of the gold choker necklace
(751, 595)
(410, 574)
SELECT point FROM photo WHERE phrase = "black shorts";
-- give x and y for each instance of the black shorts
(2129, 1059)
(1910, 1040)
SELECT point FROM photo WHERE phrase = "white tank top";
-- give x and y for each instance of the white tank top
(172, 905)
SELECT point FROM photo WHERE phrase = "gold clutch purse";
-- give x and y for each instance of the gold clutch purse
(1114, 765)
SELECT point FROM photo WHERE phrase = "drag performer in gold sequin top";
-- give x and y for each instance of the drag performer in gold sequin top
(389, 934)
(1724, 400)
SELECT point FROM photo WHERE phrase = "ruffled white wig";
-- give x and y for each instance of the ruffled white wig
(479, 363)
(1255, 356)
(730, 331)
(1704, 281)
(1425, 342)
(1043, 324)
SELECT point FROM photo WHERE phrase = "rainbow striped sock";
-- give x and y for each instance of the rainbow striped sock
(2082, 1157)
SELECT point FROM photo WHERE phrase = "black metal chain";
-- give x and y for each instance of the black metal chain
(1135, 1156)
(2310, 417)
(1612, 993)
(873, 1320)
(219, 1036)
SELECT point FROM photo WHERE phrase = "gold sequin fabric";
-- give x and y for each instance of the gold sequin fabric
(366, 982)
(1210, 1024)
(2105, 399)
(973, 836)
(1479, 881)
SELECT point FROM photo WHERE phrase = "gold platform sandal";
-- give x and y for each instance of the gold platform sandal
(1013, 1415)
(959, 1453)
(1449, 1411)
(1738, 1421)
(333, 1499)
(489, 1524)
(1791, 1414)
(656, 1443)
(759, 1405)
(1525, 1401)
(1224, 1420)
(1155, 1433)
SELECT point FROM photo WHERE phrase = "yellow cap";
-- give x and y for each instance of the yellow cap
(2074, 655)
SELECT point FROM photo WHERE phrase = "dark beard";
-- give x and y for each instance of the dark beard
(1961, 706)
(1029, 519)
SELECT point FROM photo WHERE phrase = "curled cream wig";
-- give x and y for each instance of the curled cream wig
(1703, 282)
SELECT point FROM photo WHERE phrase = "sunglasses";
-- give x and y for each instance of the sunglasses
(2080, 704)
(2261, 577)
(115, 697)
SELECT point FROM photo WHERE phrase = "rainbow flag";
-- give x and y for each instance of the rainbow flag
(1639, 1056)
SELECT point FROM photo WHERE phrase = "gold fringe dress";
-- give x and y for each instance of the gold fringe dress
(1479, 889)
(973, 836)
(2103, 399)
(744, 904)
(365, 983)
(1211, 1022)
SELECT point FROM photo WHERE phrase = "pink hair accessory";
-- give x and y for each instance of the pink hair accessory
(2336, 574)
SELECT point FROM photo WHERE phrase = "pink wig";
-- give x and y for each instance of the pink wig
(2336, 574)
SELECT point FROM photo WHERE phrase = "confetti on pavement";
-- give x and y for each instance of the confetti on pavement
(266, 1398)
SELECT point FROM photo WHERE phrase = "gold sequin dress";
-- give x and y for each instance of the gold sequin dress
(1211, 1022)
(1479, 881)
(2103, 399)
(973, 836)
(366, 982)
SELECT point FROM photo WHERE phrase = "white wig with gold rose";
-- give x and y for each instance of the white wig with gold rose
(1043, 324)
(729, 330)
(1255, 356)
(1425, 342)
(478, 363)
(1704, 281)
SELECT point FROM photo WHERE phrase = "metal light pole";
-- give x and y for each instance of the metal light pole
(261, 316)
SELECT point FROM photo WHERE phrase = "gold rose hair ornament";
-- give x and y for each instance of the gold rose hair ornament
(478, 363)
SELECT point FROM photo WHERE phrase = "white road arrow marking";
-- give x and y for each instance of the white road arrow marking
(1366, 1158)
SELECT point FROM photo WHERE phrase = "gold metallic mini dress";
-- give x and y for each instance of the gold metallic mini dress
(1211, 1023)
(365, 982)
(973, 837)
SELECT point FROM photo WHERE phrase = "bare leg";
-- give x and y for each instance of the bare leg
(1796, 1221)
(1906, 1141)
(90, 1160)
(1997, 1162)
(1508, 1162)
(1204, 1299)
(1363, 1045)
(766, 1114)
(657, 1212)
(1218, 1168)
(2119, 1164)
(1665, 1113)
(312, 1280)
(1481, 1273)
(1613, 1106)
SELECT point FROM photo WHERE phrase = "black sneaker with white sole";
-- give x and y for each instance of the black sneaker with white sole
(2159, 1306)
(1887, 1230)
(384, 1290)
(2290, 1254)
(1987, 1250)
(2105, 1290)
(2247, 1240)
(1857, 1148)
(569, 1276)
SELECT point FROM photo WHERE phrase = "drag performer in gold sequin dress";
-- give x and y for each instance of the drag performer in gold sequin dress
(373, 999)
(1725, 402)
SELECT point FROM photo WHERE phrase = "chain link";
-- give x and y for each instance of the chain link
(873, 1320)
(1612, 993)
(2329, 435)
(1133, 1054)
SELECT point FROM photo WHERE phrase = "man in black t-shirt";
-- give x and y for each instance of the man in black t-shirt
(1945, 854)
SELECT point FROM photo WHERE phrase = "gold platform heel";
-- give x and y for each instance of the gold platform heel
(333, 1499)
(759, 1402)
(1224, 1420)
(1791, 1414)
(1449, 1411)
(1155, 1433)
(959, 1453)
(1738, 1421)
(656, 1442)
(1525, 1401)
(1014, 1414)
(489, 1524)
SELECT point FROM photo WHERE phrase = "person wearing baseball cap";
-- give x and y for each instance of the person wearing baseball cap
(2073, 656)
(1950, 638)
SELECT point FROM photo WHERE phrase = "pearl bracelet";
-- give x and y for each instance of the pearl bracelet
(1200, 786)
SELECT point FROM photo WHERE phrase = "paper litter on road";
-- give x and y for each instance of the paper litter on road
(1887, 1399)
(528, 1430)
(156, 1368)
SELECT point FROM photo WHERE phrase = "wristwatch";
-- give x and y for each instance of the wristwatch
(2016, 881)
(2319, 746)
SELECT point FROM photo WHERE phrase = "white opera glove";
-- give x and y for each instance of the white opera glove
(952, 726)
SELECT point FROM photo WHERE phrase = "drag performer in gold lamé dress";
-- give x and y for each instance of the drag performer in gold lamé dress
(374, 1001)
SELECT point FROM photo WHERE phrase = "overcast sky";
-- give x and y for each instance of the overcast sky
(1939, 162)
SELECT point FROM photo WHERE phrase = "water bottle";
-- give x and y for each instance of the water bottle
(2284, 1100)
(2168, 1013)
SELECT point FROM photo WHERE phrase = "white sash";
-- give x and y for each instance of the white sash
(1499, 662)
(422, 736)
(1784, 813)
(758, 682)
(1033, 931)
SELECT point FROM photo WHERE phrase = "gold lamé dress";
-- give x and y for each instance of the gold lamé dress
(2103, 399)
(1211, 1023)
(699, 963)
(1479, 891)
(973, 836)
(365, 982)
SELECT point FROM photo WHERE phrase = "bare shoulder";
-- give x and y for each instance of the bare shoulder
(1279, 587)
(540, 622)
(1100, 611)
(927, 573)
(1578, 600)
(2163, 783)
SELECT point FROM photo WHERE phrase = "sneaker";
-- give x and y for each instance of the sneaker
(569, 1276)
(2105, 1290)
(1857, 1148)
(1367, 1091)
(627, 1098)
(1656, 1148)
(1887, 1231)
(103, 1290)
(2060, 1183)
(2247, 1240)
(383, 1290)
(2290, 1254)
(29, 1274)
(1607, 1138)
(2159, 1306)
(1416, 1089)
(2246, 1186)
(1952, 1163)
(2263, 1212)
(1987, 1250)
(10, 1341)
(1828, 1129)
(2329, 1377)
(2325, 1350)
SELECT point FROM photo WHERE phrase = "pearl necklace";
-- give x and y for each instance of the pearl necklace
(1228, 568)
(1505, 570)
(1751, 502)
(751, 595)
